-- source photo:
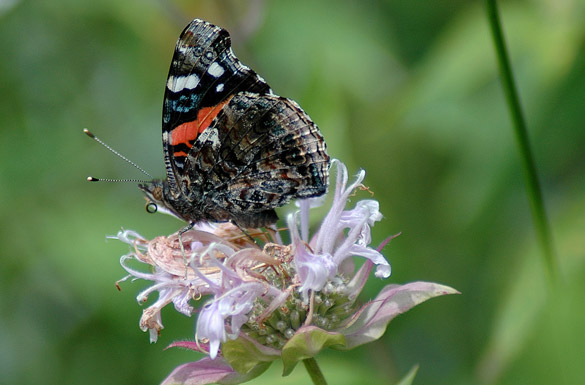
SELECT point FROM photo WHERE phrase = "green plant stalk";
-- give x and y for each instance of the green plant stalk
(314, 371)
(519, 126)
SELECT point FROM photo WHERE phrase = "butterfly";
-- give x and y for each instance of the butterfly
(233, 149)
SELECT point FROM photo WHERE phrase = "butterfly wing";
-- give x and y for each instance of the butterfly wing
(233, 149)
(204, 74)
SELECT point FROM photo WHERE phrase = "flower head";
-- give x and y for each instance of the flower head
(284, 301)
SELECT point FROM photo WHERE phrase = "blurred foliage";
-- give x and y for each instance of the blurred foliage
(407, 90)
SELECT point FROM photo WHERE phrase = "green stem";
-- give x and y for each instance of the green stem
(314, 371)
(519, 125)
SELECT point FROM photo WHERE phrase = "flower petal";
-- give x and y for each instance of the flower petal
(313, 269)
(234, 304)
(210, 325)
(368, 209)
(383, 269)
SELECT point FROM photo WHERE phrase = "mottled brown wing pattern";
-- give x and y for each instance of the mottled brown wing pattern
(267, 152)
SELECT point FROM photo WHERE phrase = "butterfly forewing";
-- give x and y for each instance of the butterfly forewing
(204, 74)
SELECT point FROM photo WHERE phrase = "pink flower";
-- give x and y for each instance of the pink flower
(276, 302)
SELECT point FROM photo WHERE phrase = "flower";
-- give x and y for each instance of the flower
(278, 301)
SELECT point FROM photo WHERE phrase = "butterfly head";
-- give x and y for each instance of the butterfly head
(155, 192)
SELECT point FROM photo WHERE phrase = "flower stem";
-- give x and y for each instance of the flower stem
(314, 371)
(519, 125)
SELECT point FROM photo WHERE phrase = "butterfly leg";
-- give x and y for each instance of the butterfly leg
(181, 232)
(243, 230)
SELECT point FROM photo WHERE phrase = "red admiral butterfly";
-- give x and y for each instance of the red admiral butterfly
(233, 149)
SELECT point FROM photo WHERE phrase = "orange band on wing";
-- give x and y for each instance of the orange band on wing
(187, 132)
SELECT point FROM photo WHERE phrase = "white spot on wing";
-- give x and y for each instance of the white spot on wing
(192, 81)
(214, 138)
(215, 70)
(177, 84)
(170, 82)
(219, 87)
(211, 137)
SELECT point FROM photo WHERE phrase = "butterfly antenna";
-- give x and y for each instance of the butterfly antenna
(92, 179)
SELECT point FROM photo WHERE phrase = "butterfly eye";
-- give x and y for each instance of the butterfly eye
(157, 193)
(151, 207)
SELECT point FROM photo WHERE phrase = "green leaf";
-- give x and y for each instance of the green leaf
(244, 355)
(307, 342)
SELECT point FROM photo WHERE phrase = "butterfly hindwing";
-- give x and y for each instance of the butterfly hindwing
(259, 152)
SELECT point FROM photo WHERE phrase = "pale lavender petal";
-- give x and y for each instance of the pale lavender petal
(365, 214)
(305, 205)
(371, 321)
(210, 325)
(343, 250)
(291, 221)
(383, 269)
(234, 304)
(237, 303)
(368, 209)
(130, 237)
(164, 289)
(348, 249)
(341, 180)
(328, 231)
(181, 302)
(135, 273)
(313, 270)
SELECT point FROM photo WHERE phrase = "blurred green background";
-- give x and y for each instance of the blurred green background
(408, 90)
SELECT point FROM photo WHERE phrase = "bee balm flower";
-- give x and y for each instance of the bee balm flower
(279, 301)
